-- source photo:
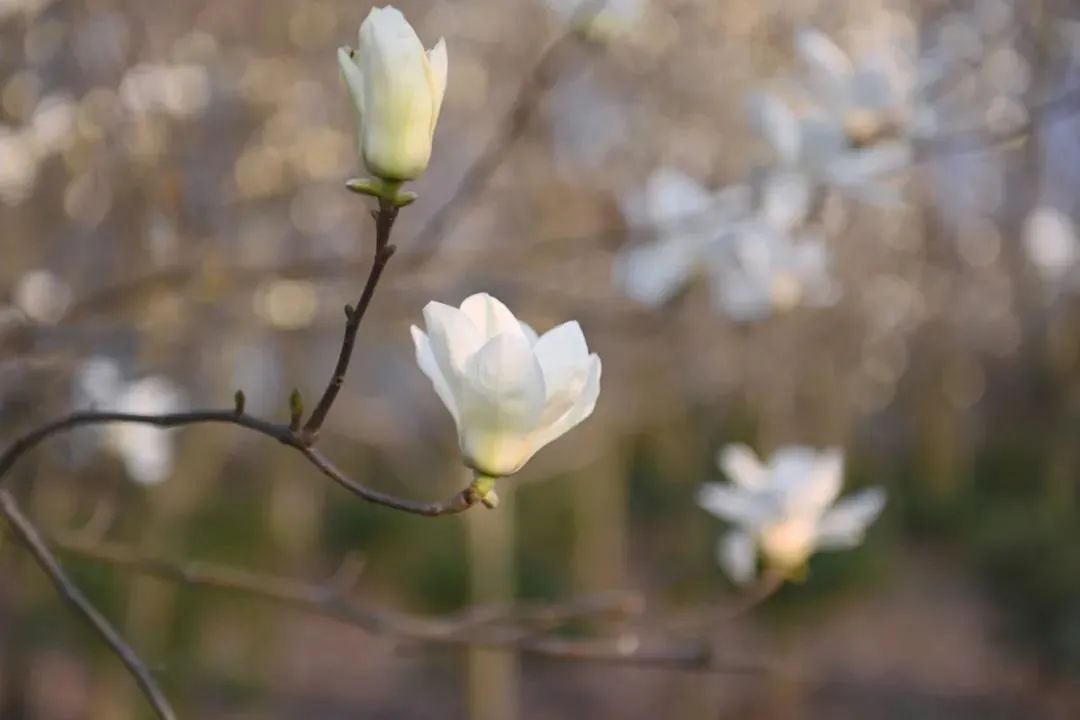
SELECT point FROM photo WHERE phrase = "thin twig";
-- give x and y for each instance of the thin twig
(45, 559)
(384, 224)
(479, 629)
(282, 433)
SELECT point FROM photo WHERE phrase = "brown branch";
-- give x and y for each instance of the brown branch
(491, 627)
(497, 628)
(282, 433)
(31, 538)
(384, 224)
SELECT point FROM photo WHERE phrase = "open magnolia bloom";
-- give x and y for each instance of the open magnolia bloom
(509, 391)
(870, 99)
(765, 270)
(687, 223)
(749, 242)
(786, 509)
(397, 88)
(813, 149)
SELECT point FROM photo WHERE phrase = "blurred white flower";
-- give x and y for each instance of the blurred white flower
(601, 20)
(146, 451)
(397, 88)
(42, 296)
(749, 243)
(18, 167)
(870, 99)
(181, 90)
(814, 149)
(765, 270)
(510, 392)
(52, 126)
(687, 223)
(786, 509)
(1052, 244)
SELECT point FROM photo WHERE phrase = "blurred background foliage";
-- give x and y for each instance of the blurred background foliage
(172, 210)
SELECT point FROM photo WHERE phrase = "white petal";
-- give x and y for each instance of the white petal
(740, 298)
(785, 199)
(152, 395)
(741, 277)
(147, 453)
(807, 481)
(425, 358)
(824, 140)
(576, 401)
(830, 67)
(563, 355)
(354, 77)
(529, 333)
(742, 466)
(845, 524)
(734, 504)
(653, 273)
(672, 194)
(874, 88)
(774, 121)
(737, 556)
(439, 67)
(811, 264)
(453, 337)
(490, 316)
(859, 172)
(500, 401)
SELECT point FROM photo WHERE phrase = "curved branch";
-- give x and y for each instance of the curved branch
(282, 433)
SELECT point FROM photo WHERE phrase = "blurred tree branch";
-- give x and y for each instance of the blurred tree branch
(29, 536)
(970, 140)
(526, 629)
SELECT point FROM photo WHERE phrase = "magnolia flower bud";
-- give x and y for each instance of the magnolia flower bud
(509, 391)
(397, 88)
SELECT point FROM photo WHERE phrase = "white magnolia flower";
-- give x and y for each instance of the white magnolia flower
(786, 509)
(147, 452)
(509, 391)
(813, 149)
(750, 243)
(766, 270)
(869, 99)
(397, 87)
(687, 224)
(601, 20)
